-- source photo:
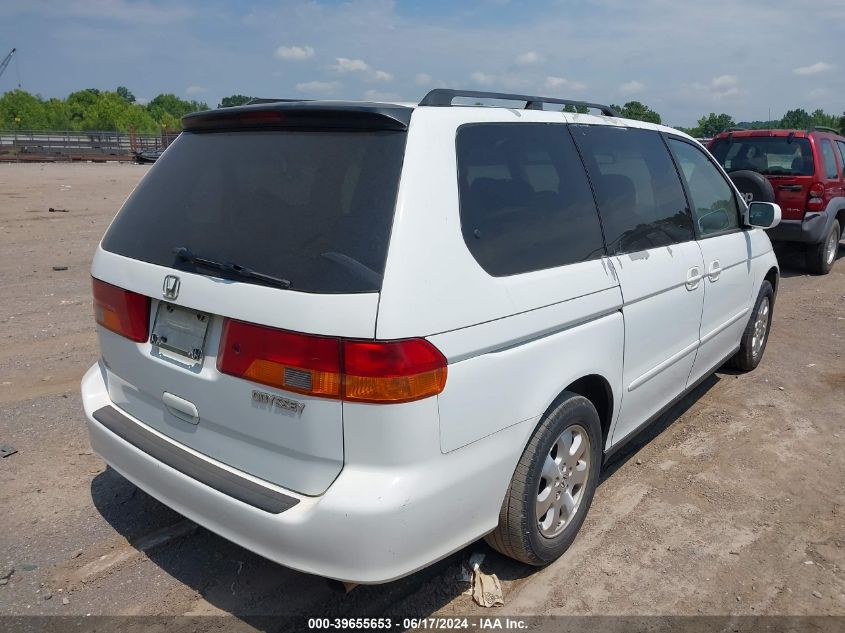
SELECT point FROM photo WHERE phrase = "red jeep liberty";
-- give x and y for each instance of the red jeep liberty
(802, 171)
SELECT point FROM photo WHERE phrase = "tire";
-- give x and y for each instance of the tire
(753, 186)
(820, 257)
(753, 342)
(519, 535)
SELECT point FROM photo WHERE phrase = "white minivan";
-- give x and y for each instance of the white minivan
(355, 337)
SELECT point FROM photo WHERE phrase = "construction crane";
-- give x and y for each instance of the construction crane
(6, 61)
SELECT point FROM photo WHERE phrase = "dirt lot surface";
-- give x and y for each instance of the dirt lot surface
(733, 503)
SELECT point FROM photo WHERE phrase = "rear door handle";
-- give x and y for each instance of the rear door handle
(714, 270)
(181, 408)
(693, 278)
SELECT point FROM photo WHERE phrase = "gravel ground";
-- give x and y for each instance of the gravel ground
(732, 503)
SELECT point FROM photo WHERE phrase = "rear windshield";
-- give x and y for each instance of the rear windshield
(770, 155)
(315, 208)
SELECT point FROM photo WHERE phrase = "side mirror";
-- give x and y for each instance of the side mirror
(764, 215)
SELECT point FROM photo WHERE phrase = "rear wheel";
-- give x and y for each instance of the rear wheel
(756, 335)
(553, 485)
(820, 257)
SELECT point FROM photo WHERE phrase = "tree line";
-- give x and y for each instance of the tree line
(711, 124)
(93, 109)
(118, 110)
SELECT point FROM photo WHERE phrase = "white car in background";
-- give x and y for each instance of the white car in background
(355, 337)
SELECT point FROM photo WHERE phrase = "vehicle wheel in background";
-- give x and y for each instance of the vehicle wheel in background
(820, 257)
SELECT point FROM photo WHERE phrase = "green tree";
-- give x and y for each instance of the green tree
(23, 111)
(573, 109)
(78, 104)
(113, 112)
(842, 124)
(797, 119)
(820, 117)
(686, 130)
(637, 111)
(712, 124)
(57, 113)
(168, 109)
(124, 93)
(234, 100)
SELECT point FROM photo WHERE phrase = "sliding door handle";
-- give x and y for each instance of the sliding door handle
(714, 270)
(694, 277)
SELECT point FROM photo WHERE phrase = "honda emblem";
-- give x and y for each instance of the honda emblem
(170, 289)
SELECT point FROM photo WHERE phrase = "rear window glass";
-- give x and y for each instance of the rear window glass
(315, 208)
(770, 155)
(525, 201)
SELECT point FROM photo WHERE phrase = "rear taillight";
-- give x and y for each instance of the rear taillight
(287, 360)
(360, 371)
(815, 197)
(392, 371)
(121, 311)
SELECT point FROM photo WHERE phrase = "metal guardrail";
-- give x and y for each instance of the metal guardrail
(67, 145)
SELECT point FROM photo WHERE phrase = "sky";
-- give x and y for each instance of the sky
(682, 58)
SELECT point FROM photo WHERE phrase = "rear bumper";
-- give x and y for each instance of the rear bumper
(372, 525)
(811, 230)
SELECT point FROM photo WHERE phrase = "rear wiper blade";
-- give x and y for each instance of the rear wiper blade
(186, 254)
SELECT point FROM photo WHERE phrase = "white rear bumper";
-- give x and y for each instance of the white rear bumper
(375, 523)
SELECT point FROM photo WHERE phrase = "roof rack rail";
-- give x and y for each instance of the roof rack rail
(735, 129)
(443, 97)
(258, 100)
(823, 128)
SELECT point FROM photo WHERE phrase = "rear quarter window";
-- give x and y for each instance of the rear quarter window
(525, 201)
(830, 168)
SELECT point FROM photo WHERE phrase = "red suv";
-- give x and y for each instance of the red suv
(801, 170)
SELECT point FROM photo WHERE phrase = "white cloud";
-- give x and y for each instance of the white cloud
(381, 75)
(631, 87)
(194, 90)
(483, 79)
(719, 87)
(377, 95)
(559, 83)
(814, 69)
(529, 58)
(346, 65)
(317, 87)
(294, 53)
(422, 79)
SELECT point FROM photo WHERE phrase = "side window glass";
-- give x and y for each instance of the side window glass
(841, 146)
(714, 204)
(829, 159)
(640, 197)
(525, 201)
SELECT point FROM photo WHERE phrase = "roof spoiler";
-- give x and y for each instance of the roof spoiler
(290, 114)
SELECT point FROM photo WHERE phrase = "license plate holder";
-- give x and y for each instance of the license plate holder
(180, 330)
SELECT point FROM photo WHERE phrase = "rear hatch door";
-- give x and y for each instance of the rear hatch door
(304, 197)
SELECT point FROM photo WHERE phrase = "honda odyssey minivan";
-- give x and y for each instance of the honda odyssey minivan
(355, 337)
